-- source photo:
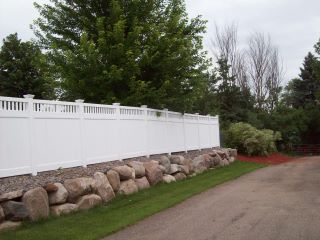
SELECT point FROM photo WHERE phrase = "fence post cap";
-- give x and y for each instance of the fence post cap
(165, 109)
(144, 106)
(116, 104)
(196, 113)
(28, 96)
(79, 101)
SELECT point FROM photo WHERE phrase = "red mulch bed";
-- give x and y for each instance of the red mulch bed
(275, 158)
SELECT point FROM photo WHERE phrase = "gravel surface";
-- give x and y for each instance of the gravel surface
(27, 182)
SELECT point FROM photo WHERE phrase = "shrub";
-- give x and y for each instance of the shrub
(251, 141)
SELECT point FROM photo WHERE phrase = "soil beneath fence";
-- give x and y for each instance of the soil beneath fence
(275, 158)
(28, 181)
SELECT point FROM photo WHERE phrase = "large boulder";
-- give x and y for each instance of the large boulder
(114, 180)
(184, 169)
(128, 187)
(138, 168)
(88, 201)
(2, 215)
(188, 163)
(37, 203)
(224, 162)
(9, 225)
(165, 162)
(233, 153)
(217, 160)
(222, 153)
(142, 183)
(176, 159)
(168, 179)
(59, 196)
(199, 165)
(11, 195)
(14, 211)
(153, 172)
(51, 187)
(102, 187)
(179, 176)
(208, 160)
(66, 208)
(125, 172)
(78, 187)
(174, 168)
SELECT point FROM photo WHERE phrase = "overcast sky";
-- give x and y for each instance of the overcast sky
(294, 25)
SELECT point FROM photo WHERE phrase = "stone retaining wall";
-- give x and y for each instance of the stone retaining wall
(86, 192)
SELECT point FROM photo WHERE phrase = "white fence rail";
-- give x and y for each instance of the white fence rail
(40, 135)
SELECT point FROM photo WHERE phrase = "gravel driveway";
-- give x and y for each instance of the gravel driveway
(275, 203)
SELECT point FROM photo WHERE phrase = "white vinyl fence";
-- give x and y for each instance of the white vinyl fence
(40, 135)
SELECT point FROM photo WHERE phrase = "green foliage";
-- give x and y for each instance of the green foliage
(133, 52)
(23, 69)
(99, 222)
(249, 140)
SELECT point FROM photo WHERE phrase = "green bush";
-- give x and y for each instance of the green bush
(251, 141)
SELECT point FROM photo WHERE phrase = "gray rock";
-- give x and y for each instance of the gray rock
(7, 225)
(78, 187)
(66, 208)
(37, 203)
(231, 159)
(2, 216)
(128, 187)
(15, 211)
(174, 168)
(142, 183)
(179, 176)
(102, 187)
(165, 162)
(153, 173)
(217, 160)
(114, 180)
(184, 169)
(138, 168)
(162, 168)
(88, 201)
(168, 179)
(224, 162)
(176, 159)
(233, 153)
(11, 195)
(199, 165)
(125, 172)
(58, 197)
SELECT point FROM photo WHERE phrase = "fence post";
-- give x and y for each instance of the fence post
(210, 145)
(118, 127)
(167, 131)
(198, 124)
(218, 122)
(80, 103)
(145, 118)
(29, 98)
(184, 134)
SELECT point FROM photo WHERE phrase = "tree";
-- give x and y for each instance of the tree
(232, 103)
(303, 91)
(265, 71)
(133, 52)
(23, 69)
(225, 46)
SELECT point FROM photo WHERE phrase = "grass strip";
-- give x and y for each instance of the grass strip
(126, 210)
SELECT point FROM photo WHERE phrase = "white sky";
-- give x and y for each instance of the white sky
(294, 25)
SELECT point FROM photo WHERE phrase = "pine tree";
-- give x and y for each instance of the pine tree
(133, 52)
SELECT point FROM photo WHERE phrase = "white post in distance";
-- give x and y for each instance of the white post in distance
(80, 106)
(29, 98)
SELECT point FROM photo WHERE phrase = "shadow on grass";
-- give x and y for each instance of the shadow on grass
(126, 210)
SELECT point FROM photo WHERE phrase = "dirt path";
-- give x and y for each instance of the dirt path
(275, 203)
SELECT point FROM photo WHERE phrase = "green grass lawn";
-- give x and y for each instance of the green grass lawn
(126, 210)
